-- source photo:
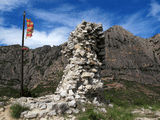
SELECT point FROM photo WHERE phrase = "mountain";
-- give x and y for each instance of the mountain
(42, 67)
(132, 58)
(128, 57)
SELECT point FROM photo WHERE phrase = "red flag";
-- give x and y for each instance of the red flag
(30, 27)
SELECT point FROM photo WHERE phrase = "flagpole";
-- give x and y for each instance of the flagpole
(22, 90)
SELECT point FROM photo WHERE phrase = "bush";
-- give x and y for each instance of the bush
(17, 109)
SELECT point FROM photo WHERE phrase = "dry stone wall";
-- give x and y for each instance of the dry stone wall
(81, 75)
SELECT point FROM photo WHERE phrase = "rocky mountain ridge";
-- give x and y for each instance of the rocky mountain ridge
(132, 58)
(128, 57)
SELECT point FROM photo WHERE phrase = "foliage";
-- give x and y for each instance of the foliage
(115, 113)
(134, 94)
(17, 109)
(119, 113)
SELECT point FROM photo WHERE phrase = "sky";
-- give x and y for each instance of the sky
(55, 19)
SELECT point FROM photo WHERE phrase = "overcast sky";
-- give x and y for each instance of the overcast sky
(55, 19)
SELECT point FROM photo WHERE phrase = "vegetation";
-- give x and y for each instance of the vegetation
(119, 113)
(115, 113)
(9, 92)
(49, 87)
(17, 109)
(134, 94)
(91, 114)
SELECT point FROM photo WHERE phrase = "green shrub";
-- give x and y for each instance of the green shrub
(17, 109)
(91, 114)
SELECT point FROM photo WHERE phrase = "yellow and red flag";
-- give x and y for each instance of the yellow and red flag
(30, 27)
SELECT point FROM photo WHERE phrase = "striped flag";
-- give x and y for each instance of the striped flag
(30, 27)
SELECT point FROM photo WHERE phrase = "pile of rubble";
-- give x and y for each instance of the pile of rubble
(81, 75)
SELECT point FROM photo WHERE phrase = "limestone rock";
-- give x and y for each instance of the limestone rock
(52, 113)
(63, 94)
(30, 115)
(72, 103)
(87, 74)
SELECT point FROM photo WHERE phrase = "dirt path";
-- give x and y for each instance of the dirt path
(5, 115)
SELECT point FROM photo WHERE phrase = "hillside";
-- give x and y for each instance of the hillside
(132, 58)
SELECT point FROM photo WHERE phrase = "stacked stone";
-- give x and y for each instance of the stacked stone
(81, 75)
(83, 71)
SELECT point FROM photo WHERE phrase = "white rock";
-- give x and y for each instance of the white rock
(30, 115)
(2, 109)
(110, 105)
(77, 96)
(87, 74)
(75, 111)
(99, 85)
(103, 110)
(71, 92)
(157, 113)
(95, 101)
(80, 87)
(43, 119)
(50, 106)
(69, 98)
(42, 113)
(82, 101)
(56, 98)
(43, 106)
(83, 109)
(33, 105)
(69, 111)
(72, 103)
(52, 113)
(94, 70)
(78, 46)
(23, 113)
(85, 82)
(88, 87)
(82, 53)
(84, 31)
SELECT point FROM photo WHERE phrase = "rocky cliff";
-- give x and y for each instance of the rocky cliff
(128, 57)
(132, 58)
(42, 66)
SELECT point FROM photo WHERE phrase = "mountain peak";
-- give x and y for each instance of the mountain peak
(119, 29)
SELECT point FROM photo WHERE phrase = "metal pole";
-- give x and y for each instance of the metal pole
(22, 90)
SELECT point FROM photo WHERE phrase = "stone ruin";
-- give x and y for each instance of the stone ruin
(85, 53)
